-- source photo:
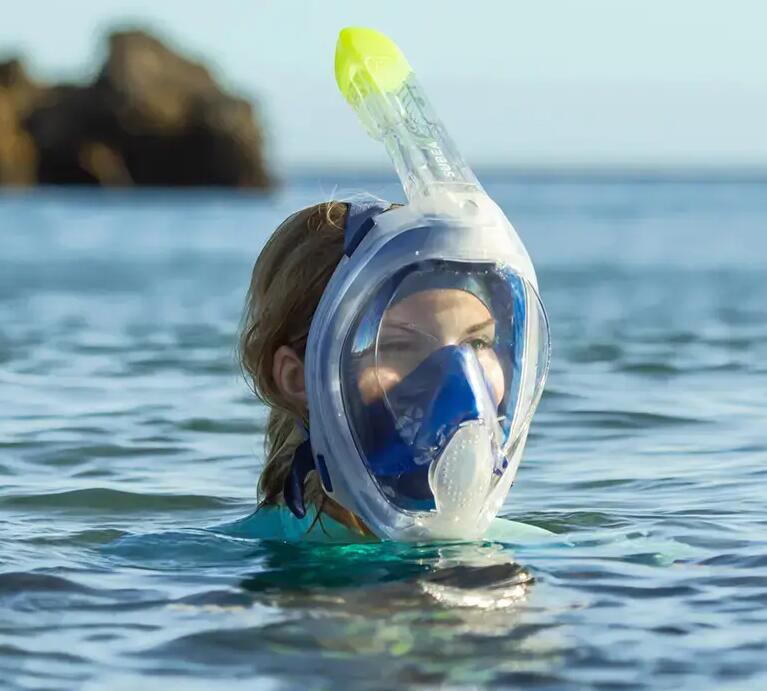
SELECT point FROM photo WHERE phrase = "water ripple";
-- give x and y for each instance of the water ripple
(127, 428)
(100, 499)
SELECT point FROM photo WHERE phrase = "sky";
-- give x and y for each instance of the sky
(594, 83)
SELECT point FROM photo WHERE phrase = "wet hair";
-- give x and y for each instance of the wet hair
(287, 283)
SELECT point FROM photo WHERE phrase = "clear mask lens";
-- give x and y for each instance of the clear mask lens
(442, 348)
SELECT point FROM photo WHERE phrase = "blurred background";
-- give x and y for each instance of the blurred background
(588, 85)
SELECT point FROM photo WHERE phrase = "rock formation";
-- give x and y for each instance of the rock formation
(151, 117)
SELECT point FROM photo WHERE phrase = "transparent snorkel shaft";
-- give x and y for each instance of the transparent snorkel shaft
(381, 87)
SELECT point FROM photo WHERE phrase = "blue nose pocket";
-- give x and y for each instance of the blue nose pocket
(433, 401)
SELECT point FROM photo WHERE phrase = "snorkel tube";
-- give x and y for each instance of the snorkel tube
(379, 84)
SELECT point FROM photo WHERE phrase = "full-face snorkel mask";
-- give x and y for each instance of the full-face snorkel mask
(429, 349)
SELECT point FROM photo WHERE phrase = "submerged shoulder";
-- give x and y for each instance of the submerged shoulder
(505, 530)
(279, 524)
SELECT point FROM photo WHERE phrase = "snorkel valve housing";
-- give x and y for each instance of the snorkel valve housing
(449, 224)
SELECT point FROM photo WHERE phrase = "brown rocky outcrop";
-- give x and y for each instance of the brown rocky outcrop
(151, 117)
(18, 155)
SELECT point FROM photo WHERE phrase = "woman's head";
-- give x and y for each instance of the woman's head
(287, 284)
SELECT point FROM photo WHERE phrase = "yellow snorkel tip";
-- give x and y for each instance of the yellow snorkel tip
(380, 86)
(368, 62)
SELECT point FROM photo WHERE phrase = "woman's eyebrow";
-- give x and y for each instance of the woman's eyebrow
(403, 326)
(406, 328)
(480, 326)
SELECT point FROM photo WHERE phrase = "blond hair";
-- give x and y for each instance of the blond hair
(285, 288)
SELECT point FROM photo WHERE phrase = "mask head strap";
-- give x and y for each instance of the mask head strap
(293, 489)
(359, 220)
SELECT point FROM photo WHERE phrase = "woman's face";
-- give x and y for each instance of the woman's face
(423, 322)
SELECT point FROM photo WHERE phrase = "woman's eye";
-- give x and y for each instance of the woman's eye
(480, 343)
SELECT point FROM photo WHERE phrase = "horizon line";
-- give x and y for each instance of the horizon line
(592, 171)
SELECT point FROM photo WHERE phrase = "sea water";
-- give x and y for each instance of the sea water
(126, 430)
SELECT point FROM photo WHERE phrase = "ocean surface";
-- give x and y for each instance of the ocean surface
(126, 430)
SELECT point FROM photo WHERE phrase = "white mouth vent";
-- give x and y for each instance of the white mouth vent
(460, 479)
